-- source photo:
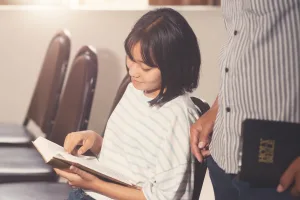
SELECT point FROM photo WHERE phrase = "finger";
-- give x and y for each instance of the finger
(79, 172)
(66, 170)
(87, 144)
(68, 142)
(74, 143)
(73, 140)
(202, 144)
(61, 172)
(67, 175)
(296, 188)
(287, 178)
(205, 153)
(194, 145)
(194, 136)
(204, 138)
(197, 154)
(71, 184)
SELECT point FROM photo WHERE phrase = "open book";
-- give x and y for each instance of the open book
(57, 157)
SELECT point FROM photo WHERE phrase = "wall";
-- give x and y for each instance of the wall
(26, 32)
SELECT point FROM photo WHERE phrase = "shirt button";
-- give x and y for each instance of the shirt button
(227, 109)
(226, 69)
(235, 32)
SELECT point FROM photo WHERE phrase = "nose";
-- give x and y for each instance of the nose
(133, 70)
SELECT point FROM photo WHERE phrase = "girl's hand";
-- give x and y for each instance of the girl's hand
(88, 139)
(78, 178)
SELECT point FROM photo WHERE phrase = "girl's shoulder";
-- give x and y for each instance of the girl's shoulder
(181, 107)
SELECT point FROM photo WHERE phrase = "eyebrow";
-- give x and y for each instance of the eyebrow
(135, 59)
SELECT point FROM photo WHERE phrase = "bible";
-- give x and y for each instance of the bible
(269, 147)
(57, 157)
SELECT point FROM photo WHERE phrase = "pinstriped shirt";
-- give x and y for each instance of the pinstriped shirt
(260, 71)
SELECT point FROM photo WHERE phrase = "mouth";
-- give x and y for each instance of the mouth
(135, 81)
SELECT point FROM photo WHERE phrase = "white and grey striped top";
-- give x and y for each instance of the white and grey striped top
(151, 145)
(260, 71)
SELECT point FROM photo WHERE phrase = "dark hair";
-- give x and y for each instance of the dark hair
(168, 42)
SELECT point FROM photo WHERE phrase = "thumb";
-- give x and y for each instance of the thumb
(83, 174)
(202, 144)
(87, 144)
(286, 180)
(77, 171)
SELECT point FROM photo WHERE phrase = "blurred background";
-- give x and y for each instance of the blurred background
(27, 26)
(97, 2)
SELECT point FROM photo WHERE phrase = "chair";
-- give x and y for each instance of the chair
(25, 164)
(74, 115)
(200, 168)
(37, 190)
(43, 105)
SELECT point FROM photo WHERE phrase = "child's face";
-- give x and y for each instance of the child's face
(143, 77)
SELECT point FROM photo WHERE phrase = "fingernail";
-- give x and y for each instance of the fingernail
(201, 145)
(280, 188)
(200, 161)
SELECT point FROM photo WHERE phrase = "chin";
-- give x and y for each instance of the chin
(137, 85)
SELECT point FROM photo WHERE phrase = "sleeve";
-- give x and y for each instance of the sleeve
(173, 179)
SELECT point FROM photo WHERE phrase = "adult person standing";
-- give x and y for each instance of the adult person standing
(260, 78)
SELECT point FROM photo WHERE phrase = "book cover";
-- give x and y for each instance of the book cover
(269, 147)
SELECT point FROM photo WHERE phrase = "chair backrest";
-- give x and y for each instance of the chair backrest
(200, 168)
(126, 80)
(76, 102)
(44, 102)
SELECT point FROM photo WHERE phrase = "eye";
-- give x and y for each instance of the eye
(146, 69)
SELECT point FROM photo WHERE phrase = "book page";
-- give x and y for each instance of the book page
(47, 148)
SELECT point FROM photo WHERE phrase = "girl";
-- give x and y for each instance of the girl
(147, 135)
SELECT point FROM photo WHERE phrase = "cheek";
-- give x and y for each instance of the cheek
(154, 79)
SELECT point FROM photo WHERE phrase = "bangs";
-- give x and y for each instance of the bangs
(146, 47)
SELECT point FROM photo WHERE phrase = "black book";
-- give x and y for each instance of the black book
(269, 147)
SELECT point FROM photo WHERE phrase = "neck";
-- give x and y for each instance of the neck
(152, 93)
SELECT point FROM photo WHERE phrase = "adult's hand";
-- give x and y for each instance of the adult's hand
(201, 132)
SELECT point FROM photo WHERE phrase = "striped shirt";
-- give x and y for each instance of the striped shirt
(150, 145)
(260, 71)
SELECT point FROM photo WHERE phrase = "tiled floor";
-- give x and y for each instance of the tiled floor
(207, 192)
